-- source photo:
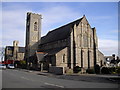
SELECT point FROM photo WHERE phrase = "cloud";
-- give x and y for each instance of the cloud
(61, 0)
(108, 47)
(14, 20)
(13, 26)
(55, 16)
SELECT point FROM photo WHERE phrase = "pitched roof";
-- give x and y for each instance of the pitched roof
(53, 51)
(21, 50)
(9, 47)
(40, 56)
(60, 33)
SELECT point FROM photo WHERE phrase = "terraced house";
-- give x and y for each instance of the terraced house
(64, 48)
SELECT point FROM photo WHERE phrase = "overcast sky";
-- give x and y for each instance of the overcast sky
(103, 16)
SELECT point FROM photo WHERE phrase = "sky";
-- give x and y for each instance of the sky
(102, 15)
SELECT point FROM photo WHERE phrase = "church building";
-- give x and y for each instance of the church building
(61, 49)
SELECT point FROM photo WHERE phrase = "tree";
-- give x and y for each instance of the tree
(2, 53)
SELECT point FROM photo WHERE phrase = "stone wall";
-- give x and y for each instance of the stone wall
(57, 70)
(62, 58)
(82, 44)
(52, 45)
(20, 56)
(100, 61)
(33, 30)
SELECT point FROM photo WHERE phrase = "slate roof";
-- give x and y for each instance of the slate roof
(21, 50)
(53, 51)
(9, 47)
(60, 33)
(40, 55)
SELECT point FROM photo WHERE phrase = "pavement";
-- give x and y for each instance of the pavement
(114, 78)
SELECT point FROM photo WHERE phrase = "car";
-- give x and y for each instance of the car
(2, 66)
(10, 66)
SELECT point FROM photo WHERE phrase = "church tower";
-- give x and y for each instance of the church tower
(33, 34)
(15, 49)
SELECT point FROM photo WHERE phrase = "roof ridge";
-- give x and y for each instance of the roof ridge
(65, 25)
(55, 34)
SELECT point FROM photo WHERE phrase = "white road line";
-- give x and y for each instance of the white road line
(30, 71)
(25, 78)
(54, 85)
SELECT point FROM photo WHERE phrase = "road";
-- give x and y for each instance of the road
(21, 79)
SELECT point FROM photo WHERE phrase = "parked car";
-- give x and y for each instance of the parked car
(2, 66)
(10, 66)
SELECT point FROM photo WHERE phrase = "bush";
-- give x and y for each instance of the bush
(23, 64)
(97, 69)
(105, 70)
(90, 71)
(112, 70)
(117, 70)
(69, 72)
(77, 69)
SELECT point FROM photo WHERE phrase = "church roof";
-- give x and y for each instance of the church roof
(53, 51)
(40, 55)
(60, 33)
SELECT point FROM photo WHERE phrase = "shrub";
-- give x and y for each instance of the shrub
(69, 72)
(97, 69)
(118, 70)
(77, 69)
(90, 71)
(112, 69)
(105, 70)
(23, 64)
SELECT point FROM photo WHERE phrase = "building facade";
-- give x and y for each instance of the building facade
(14, 52)
(71, 45)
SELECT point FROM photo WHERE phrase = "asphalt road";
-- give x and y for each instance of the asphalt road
(20, 79)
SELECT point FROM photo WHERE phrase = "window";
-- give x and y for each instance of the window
(79, 40)
(85, 40)
(34, 39)
(90, 42)
(63, 58)
(35, 26)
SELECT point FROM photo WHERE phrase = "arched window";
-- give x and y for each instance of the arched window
(63, 58)
(35, 26)
(85, 40)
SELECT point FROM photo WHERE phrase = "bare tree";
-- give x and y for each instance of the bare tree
(2, 53)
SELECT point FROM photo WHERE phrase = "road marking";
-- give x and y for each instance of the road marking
(30, 71)
(25, 78)
(54, 85)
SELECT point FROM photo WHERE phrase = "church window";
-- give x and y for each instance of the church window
(34, 38)
(63, 58)
(78, 41)
(35, 26)
(85, 40)
(90, 42)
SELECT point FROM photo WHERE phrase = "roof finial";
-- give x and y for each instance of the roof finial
(84, 15)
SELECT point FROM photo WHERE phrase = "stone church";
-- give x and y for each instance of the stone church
(61, 49)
